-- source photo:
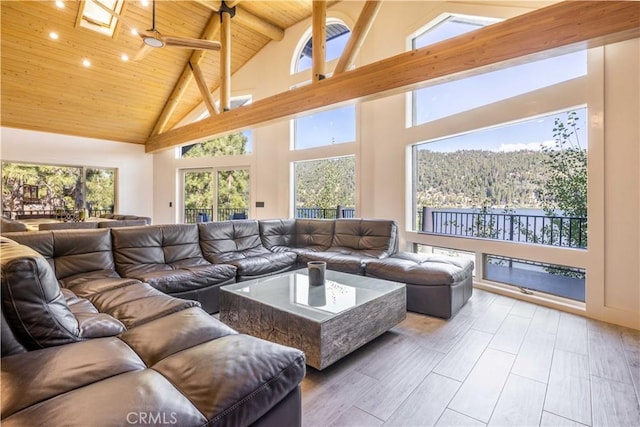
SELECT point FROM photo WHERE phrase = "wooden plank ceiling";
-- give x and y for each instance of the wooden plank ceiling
(45, 86)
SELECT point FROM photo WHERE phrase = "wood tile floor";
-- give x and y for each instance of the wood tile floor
(499, 361)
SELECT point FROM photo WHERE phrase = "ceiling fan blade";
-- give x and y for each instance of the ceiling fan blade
(189, 43)
(142, 52)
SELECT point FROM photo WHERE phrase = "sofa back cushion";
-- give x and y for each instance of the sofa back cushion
(10, 225)
(371, 237)
(278, 233)
(181, 246)
(82, 251)
(314, 234)
(137, 249)
(35, 307)
(228, 240)
(67, 225)
(156, 248)
(40, 241)
(122, 223)
(71, 252)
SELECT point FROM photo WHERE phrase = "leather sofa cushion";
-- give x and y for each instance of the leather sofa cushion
(138, 303)
(176, 332)
(130, 398)
(264, 263)
(373, 238)
(346, 263)
(60, 370)
(238, 243)
(168, 257)
(180, 245)
(82, 251)
(35, 306)
(421, 269)
(172, 281)
(136, 248)
(67, 225)
(122, 223)
(87, 288)
(229, 236)
(10, 225)
(278, 234)
(40, 241)
(269, 372)
(314, 234)
(229, 380)
(72, 252)
(76, 279)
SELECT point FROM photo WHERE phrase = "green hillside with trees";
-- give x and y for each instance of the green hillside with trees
(471, 178)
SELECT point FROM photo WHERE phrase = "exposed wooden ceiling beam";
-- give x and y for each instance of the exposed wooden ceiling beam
(225, 60)
(318, 40)
(209, 33)
(571, 25)
(358, 36)
(247, 19)
(209, 102)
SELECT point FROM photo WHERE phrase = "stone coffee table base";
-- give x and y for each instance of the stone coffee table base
(322, 342)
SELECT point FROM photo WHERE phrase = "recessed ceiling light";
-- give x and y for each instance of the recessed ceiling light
(86, 63)
(134, 32)
(144, 3)
(125, 57)
(60, 4)
(53, 35)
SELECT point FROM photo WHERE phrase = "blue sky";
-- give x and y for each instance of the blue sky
(443, 100)
(529, 134)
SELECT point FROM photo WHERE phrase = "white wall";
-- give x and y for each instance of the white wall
(383, 140)
(135, 168)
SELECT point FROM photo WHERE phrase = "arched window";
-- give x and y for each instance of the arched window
(337, 37)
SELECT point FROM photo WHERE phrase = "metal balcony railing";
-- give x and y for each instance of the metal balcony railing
(205, 214)
(560, 231)
(326, 213)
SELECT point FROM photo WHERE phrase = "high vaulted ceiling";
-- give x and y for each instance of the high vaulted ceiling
(45, 86)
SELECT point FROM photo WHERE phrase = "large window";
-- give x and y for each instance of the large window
(325, 188)
(234, 144)
(215, 194)
(524, 182)
(44, 190)
(229, 145)
(442, 100)
(337, 36)
(330, 127)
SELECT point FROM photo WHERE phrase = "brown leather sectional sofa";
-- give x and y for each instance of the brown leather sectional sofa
(93, 334)
(102, 350)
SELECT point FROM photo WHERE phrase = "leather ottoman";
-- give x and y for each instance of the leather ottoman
(437, 285)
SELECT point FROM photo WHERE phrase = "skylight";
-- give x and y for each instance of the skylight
(94, 16)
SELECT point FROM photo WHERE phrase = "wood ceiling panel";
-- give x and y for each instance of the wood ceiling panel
(45, 87)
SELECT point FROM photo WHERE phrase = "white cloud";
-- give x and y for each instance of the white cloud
(531, 146)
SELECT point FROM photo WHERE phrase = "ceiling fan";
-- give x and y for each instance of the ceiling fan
(154, 39)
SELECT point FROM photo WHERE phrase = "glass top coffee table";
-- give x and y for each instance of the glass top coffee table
(326, 322)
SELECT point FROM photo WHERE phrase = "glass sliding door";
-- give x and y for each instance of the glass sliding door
(198, 195)
(47, 191)
(215, 194)
(100, 186)
(232, 194)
